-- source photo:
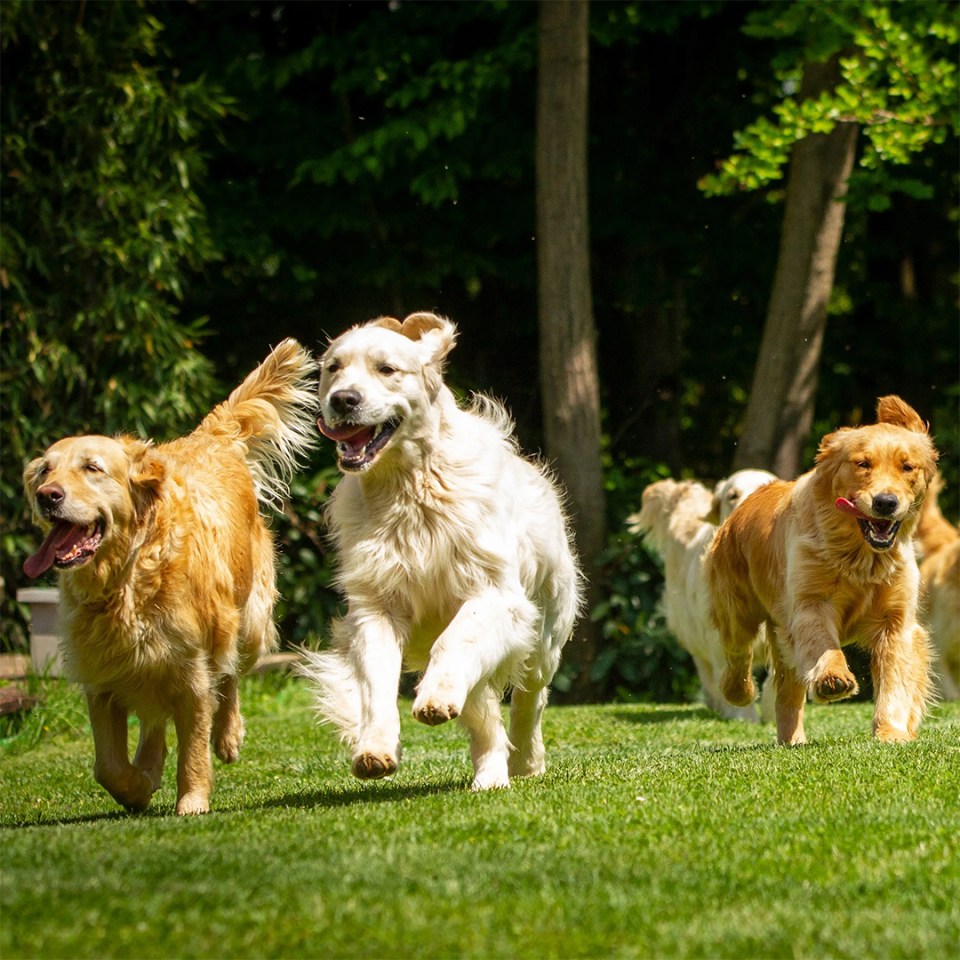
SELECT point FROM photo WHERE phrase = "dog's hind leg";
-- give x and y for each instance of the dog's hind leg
(528, 758)
(127, 784)
(152, 751)
(227, 722)
(791, 697)
(489, 746)
(193, 718)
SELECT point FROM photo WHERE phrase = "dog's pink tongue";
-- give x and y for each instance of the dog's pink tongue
(846, 506)
(61, 535)
(340, 434)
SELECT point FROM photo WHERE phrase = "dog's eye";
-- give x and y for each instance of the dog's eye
(908, 468)
(386, 370)
(93, 468)
(863, 464)
(333, 366)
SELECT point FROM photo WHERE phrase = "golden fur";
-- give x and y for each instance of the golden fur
(825, 560)
(167, 574)
(940, 588)
(453, 552)
(677, 520)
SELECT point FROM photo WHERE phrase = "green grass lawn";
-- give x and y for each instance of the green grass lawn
(657, 831)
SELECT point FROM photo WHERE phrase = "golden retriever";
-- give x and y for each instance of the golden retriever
(675, 521)
(167, 574)
(828, 559)
(454, 555)
(940, 588)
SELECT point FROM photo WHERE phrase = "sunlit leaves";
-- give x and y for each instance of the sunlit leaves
(898, 83)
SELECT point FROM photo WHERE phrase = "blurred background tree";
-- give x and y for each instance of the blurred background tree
(299, 167)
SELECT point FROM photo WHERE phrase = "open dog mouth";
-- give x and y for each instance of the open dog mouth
(66, 545)
(880, 533)
(358, 444)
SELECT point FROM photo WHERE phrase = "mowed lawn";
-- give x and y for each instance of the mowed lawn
(658, 831)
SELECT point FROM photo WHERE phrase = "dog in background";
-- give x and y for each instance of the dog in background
(939, 542)
(166, 570)
(825, 560)
(678, 519)
(453, 552)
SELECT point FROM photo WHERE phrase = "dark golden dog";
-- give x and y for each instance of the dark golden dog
(825, 560)
(167, 574)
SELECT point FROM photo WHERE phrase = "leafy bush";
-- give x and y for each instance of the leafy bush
(100, 226)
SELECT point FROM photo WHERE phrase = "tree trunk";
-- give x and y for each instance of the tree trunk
(568, 357)
(780, 410)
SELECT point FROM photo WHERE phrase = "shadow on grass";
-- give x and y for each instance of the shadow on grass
(643, 713)
(323, 799)
(371, 793)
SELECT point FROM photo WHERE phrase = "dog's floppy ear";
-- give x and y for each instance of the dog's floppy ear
(147, 470)
(832, 444)
(391, 323)
(437, 333)
(891, 409)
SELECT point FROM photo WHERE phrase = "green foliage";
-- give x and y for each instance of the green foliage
(640, 660)
(100, 225)
(657, 831)
(898, 83)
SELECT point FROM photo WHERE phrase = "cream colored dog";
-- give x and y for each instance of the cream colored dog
(940, 588)
(828, 559)
(453, 552)
(167, 574)
(676, 520)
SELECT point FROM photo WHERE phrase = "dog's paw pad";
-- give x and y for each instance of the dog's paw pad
(367, 766)
(835, 686)
(433, 713)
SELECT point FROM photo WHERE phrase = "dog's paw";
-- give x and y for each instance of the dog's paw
(835, 686)
(227, 746)
(369, 766)
(737, 688)
(191, 804)
(433, 713)
(890, 734)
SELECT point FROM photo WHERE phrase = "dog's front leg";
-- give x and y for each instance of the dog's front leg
(489, 632)
(127, 784)
(376, 652)
(813, 640)
(900, 666)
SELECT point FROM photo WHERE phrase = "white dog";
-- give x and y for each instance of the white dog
(454, 555)
(677, 520)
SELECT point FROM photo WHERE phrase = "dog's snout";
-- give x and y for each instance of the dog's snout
(885, 504)
(50, 495)
(345, 402)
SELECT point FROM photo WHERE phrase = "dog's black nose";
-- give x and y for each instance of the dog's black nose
(49, 496)
(885, 504)
(345, 401)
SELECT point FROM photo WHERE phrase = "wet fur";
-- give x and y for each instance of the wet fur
(178, 599)
(454, 555)
(790, 558)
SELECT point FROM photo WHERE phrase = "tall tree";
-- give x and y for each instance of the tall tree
(884, 67)
(780, 410)
(101, 226)
(568, 352)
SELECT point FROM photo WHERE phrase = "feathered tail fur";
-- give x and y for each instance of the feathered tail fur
(272, 415)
